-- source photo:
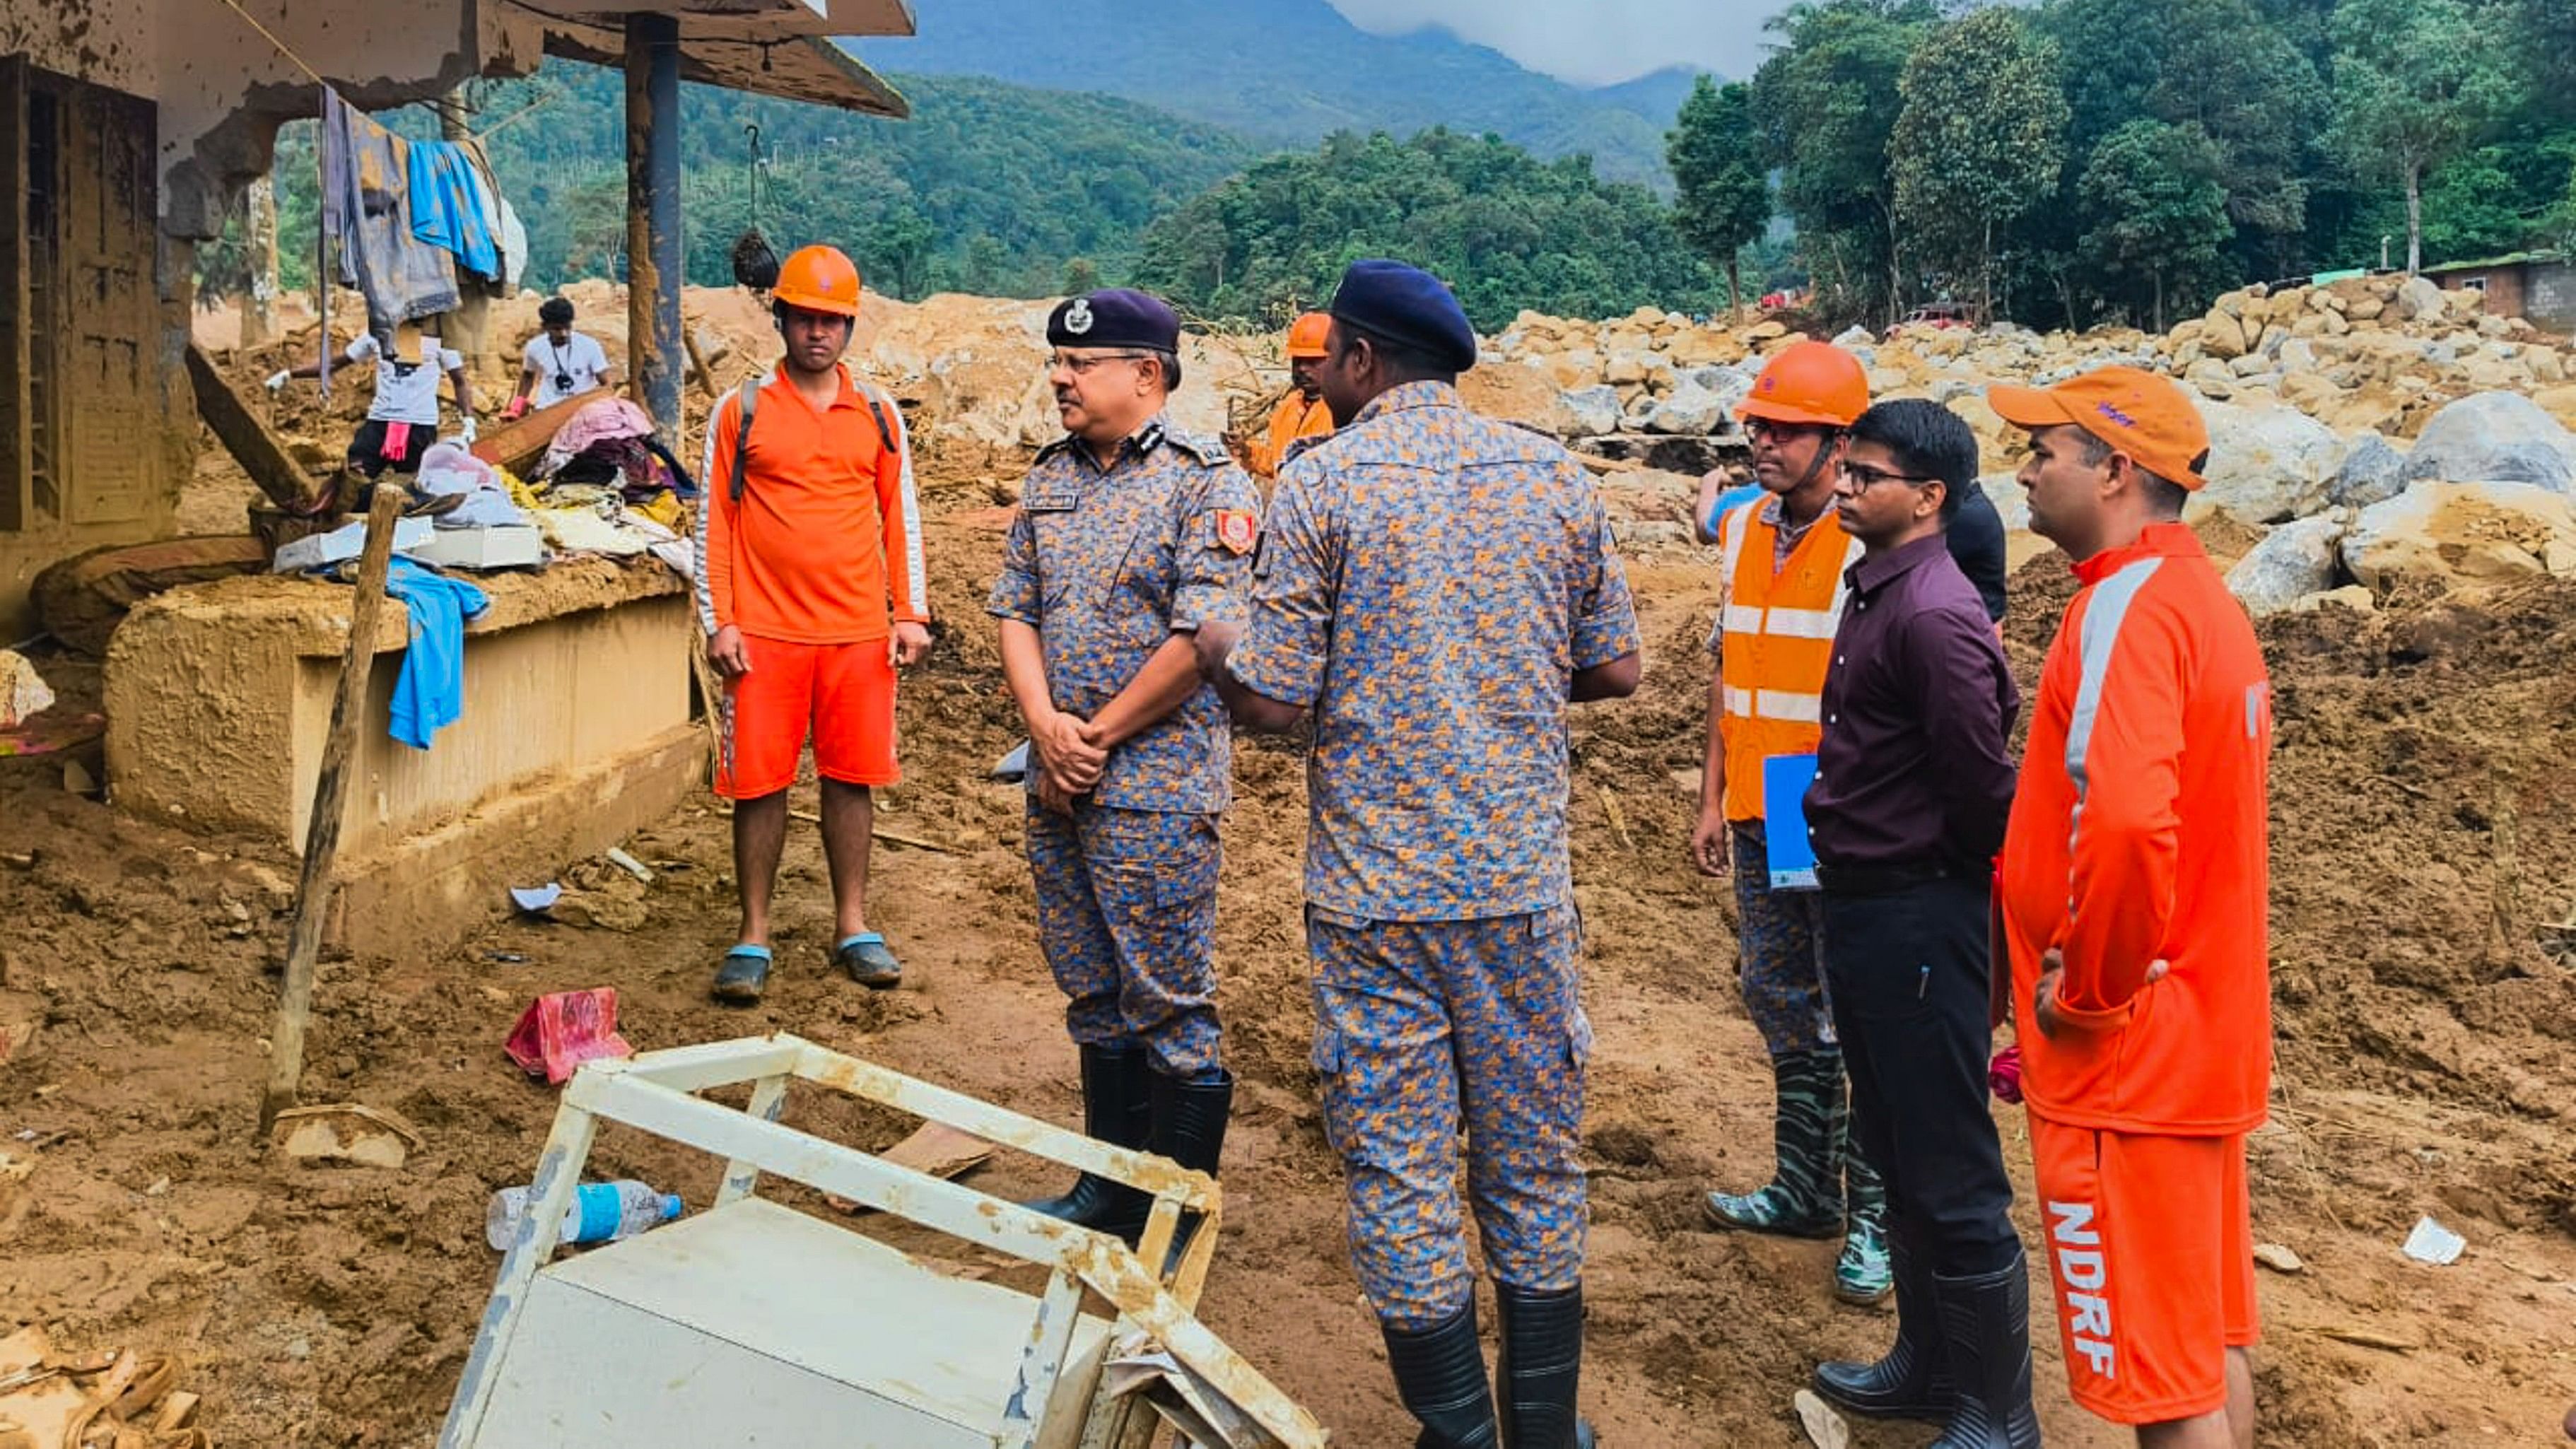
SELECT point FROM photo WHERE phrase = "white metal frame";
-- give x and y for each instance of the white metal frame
(656, 1093)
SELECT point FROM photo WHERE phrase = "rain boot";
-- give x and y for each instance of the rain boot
(1189, 1128)
(1913, 1381)
(1440, 1376)
(1803, 1198)
(1540, 1367)
(1985, 1326)
(1862, 1273)
(1116, 1109)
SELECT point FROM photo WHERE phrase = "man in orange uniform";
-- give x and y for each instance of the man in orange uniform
(2132, 895)
(1783, 584)
(812, 590)
(1301, 414)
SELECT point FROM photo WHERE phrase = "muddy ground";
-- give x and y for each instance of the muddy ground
(2424, 842)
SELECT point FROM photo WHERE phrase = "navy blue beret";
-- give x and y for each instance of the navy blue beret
(1407, 305)
(1116, 317)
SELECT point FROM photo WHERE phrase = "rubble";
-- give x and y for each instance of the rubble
(2462, 533)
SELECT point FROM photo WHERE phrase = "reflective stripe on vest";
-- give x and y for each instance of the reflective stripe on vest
(1776, 640)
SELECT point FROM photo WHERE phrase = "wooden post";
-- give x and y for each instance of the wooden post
(330, 802)
(259, 231)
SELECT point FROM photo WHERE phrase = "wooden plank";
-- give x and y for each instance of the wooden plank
(330, 803)
(520, 446)
(238, 427)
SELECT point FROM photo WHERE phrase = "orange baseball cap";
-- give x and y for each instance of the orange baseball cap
(2145, 416)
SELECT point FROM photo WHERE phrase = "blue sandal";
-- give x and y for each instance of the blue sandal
(743, 975)
(869, 962)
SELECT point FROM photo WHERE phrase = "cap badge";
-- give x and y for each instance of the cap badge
(1077, 318)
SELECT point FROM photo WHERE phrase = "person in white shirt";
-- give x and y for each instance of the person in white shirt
(402, 421)
(559, 363)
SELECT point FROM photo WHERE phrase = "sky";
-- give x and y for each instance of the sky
(1590, 42)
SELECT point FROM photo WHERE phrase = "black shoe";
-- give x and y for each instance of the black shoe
(1540, 1367)
(1116, 1108)
(1440, 1376)
(1189, 1127)
(1985, 1326)
(742, 977)
(1913, 1381)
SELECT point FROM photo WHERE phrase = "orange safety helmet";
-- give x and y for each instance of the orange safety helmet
(1306, 335)
(819, 279)
(1814, 383)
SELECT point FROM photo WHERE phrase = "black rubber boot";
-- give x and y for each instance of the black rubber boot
(1440, 1376)
(1117, 1107)
(1913, 1381)
(1985, 1326)
(1189, 1127)
(1540, 1367)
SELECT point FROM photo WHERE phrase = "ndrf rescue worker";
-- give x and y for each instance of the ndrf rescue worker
(813, 591)
(1434, 588)
(1914, 778)
(1782, 575)
(2132, 895)
(1131, 537)
(1302, 413)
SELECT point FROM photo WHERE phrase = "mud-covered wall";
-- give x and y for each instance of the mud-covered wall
(106, 42)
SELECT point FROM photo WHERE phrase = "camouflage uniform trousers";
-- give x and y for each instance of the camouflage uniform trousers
(1417, 1025)
(1127, 920)
(1780, 943)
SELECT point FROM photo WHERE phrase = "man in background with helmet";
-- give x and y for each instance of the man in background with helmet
(1302, 413)
(813, 591)
(1785, 557)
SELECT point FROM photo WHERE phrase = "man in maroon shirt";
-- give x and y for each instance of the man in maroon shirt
(1913, 785)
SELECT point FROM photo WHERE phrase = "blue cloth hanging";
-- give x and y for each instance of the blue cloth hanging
(429, 694)
(449, 206)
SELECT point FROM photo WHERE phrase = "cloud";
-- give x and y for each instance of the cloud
(1590, 42)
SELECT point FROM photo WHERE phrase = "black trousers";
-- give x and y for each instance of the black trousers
(1906, 971)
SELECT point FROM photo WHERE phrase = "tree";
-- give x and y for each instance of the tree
(1980, 139)
(1824, 104)
(2153, 206)
(1724, 200)
(2416, 81)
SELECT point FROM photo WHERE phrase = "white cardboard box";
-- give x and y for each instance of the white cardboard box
(496, 546)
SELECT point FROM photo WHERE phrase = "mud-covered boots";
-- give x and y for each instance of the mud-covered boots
(1440, 1376)
(1809, 1118)
(1913, 1380)
(1117, 1109)
(1541, 1367)
(1985, 1328)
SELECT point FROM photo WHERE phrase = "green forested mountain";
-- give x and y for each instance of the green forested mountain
(990, 187)
(1288, 72)
(1505, 229)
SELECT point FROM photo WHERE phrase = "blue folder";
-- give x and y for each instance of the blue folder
(1792, 857)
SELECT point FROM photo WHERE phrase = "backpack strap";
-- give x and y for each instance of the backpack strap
(748, 397)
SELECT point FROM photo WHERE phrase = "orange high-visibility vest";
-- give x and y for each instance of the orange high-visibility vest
(1294, 418)
(1776, 637)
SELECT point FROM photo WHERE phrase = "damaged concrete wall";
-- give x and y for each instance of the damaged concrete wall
(114, 43)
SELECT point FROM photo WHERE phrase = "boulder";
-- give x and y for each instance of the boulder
(2356, 597)
(2292, 562)
(2418, 300)
(1592, 411)
(2558, 402)
(2462, 533)
(1517, 393)
(2222, 336)
(2373, 471)
(1689, 410)
(2496, 437)
(2011, 500)
(2268, 464)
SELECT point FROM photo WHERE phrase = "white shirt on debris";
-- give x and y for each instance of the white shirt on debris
(582, 359)
(405, 392)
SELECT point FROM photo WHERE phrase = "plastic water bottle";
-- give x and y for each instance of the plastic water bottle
(601, 1212)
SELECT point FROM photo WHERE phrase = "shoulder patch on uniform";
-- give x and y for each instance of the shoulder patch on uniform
(1210, 451)
(1237, 530)
(1302, 446)
(1056, 449)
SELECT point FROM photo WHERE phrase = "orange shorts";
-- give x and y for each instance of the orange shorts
(843, 694)
(2151, 1245)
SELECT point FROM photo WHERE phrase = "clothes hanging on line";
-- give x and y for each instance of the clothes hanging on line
(366, 207)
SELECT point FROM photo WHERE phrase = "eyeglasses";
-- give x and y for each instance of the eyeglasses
(1864, 477)
(1764, 430)
(1082, 366)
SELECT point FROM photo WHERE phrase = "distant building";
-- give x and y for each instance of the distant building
(2537, 286)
